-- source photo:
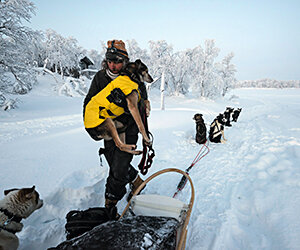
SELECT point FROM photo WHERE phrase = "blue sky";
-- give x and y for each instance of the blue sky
(264, 35)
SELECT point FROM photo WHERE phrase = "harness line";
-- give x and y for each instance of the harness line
(147, 158)
(198, 157)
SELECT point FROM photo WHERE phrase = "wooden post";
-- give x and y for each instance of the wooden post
(162, 89)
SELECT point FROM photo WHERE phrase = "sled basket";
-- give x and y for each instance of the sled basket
(163, 206)
(81, 221)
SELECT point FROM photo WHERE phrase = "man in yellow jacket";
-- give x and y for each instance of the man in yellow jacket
(121, 171)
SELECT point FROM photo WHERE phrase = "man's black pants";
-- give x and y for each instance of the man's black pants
(121, 172)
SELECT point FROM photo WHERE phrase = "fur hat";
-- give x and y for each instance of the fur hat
(116, 50)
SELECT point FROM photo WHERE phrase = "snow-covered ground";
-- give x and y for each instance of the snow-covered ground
(247, 190)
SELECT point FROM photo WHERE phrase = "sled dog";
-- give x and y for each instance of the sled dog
(227, 115)
(236, 114)
(216, 132)
(16, 205)
(109, 128)
(200, 129)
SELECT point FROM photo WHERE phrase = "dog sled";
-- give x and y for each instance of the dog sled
(163, 206)
(148, 221)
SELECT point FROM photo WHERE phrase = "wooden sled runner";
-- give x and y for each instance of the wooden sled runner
(158, 205)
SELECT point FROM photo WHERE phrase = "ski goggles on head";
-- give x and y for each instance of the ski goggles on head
(113, 57)
(112, 50)
(115, 60)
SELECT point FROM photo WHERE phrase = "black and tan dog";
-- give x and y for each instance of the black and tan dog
(200, 129)
(17, 204)
(120, 95)
(236, 114)
(227, 115)
(216, 132)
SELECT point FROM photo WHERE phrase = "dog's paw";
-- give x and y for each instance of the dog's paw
(136, 152)
(127, 147)
(131, 149)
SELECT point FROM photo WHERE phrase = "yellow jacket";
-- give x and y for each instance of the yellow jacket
(102, 105)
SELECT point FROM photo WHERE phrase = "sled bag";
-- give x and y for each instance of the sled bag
(133, 232)
(79, 222)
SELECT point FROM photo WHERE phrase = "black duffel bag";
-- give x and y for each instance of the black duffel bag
(81, 221)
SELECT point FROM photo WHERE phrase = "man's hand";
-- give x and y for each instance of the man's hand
(148, 107)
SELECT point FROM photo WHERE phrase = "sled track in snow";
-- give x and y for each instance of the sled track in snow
(237, 180)
(12, 130)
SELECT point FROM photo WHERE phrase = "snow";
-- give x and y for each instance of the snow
(147, 241)
(247, 190)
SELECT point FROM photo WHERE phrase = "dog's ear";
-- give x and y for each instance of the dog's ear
(131, 67)
(6, 192)
(138, 63)
(28, 192)
(197, 116)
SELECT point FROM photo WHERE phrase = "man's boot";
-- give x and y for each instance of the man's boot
(110, 203)
(134, 186)
(111, 208)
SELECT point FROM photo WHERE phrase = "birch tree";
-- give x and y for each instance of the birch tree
(205, 78)
(15, 44)
(16, 66)
(180, 71)
(161, 57)
(62, 54)
(135, 52)
(227, 72)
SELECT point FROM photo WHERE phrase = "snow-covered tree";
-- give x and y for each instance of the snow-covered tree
(135, 52)
(267, 83)
(38, 50)
(62, 54)
(204, 77)
(227, 72)
(161, 58)
(179, 73)
(16, 42)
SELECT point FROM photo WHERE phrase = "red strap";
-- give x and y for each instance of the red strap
(147, 159)
(144, 164)
(143, 160)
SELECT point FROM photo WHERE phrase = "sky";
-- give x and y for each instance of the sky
(264, 35)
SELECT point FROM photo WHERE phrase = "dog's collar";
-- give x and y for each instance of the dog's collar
(132, 76)
(8, 230)
(11, 216)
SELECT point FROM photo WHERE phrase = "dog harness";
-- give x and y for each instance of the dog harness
(217, 129)
(198, 157)
(10, 217)
(110, 102)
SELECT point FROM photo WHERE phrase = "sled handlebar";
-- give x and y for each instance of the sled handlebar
(190, 206)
